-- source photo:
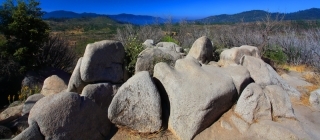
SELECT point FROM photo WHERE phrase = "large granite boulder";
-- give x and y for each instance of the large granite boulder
(170, 46)
(29, 103)
(150, 56)
(264, 75)
(10, 114)
(253, 104)
(53, 85)
(280, 102)
(137, 105)
(31, 133)
(197, 95)
(240, 75)
(103, 62)
(76, 84)
(233, 55)
(100, 93)
(68, 116)
(202, 50)
(149, 43)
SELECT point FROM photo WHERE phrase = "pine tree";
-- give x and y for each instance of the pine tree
(25, 32)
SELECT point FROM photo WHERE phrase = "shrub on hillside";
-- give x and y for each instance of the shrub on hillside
(133, 48)
(168, 38)
(276, 54)
(25, 32)
(56, 53)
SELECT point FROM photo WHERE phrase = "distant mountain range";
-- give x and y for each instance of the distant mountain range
(247, 16)
(123, 18)
(258, 15)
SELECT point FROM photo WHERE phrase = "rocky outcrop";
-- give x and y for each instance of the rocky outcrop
(253, 104)
(67, 116)
(198, 95)
(149, 43)
(185, 97)
(314, 99)
(280, 102)
(202, 50)
(31, 133)
(29, 103)
(76, 84)
(150, 56)
(264, 75)
(137, 105)
(10, 114)
(103, 62)
(233, 55)
(170, 46)
(240, 75)
(53, 85)
(100, 93)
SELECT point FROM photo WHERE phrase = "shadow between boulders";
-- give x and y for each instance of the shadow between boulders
(113, 130)
(244, 85)
(165, 103)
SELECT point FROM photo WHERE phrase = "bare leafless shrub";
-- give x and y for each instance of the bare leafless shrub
(126, 33)
(57, 53)
(153, 32)
(141, 33)
(300, 46)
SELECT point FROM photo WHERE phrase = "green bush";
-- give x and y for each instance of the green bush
(24, 31)
(133, 47)
(276, 54)
(168, 38)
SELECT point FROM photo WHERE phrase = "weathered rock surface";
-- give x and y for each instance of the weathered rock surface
(10, 114)
(53, 85)
(263, 74)
(280, 102)
(202, 50)
(253, 104)
(148, 43)
(137, 105)
(295, 80)
(150, 56)
(29, 103)
(233, 55)
(5, 132)
(271, 130)
(75, 83)
(68, 116)
(100, 93)
(198, 95)
(31, 133)
(241, 125)
(103, 62)
(170, 46)
(240, 75)
(314, 99)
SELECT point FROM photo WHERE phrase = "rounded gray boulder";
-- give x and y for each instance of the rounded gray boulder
(202, 50)
(69, 116)
(137, 105)
(103, 61)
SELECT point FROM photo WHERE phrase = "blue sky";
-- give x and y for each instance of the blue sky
(177, 8)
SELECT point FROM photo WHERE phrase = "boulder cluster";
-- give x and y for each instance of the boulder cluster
(184, 97)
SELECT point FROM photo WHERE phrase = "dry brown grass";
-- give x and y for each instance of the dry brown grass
(136, 135)
(309, 74)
